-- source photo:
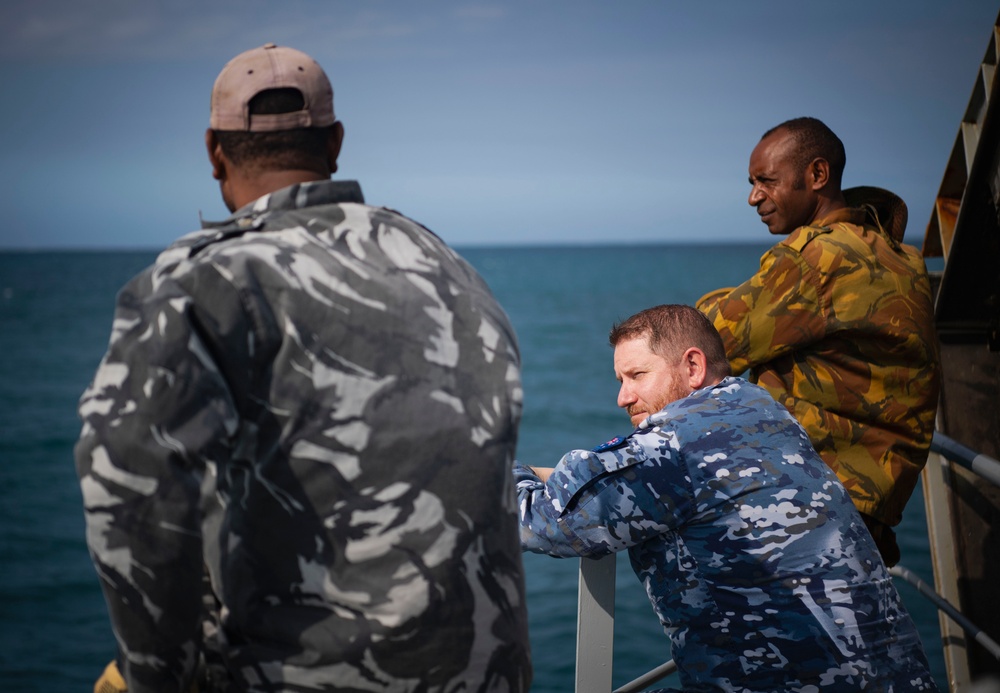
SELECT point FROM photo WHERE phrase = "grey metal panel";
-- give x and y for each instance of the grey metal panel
(595, 625)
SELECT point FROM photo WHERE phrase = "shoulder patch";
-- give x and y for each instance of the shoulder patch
(616, 442)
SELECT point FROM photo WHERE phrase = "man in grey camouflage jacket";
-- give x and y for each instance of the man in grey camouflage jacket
(753, 555)
(305, 419)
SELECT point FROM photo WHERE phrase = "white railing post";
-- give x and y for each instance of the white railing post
(595, 625)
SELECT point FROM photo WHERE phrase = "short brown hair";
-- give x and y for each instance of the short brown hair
(673, 328)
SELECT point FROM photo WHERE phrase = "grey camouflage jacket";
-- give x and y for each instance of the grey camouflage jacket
(315, 405)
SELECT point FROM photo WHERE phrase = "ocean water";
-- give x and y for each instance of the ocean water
(55, 318)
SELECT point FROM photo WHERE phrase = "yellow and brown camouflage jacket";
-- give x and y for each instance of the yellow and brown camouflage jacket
(837, 325)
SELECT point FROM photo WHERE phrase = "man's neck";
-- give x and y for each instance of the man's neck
(827, 206)
(246, 189)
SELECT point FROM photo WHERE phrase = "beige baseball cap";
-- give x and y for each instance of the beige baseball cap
(270, 67)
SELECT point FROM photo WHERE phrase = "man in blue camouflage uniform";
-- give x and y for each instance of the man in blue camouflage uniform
(311, 408)
(753, 556)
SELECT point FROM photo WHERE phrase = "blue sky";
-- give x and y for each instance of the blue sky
(492, 123)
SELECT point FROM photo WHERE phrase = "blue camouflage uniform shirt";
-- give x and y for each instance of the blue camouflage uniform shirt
(753, 556)
(315, 404)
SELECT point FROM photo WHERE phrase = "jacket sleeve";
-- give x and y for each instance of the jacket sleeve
(596, 503)
(779, 309)
(156, 419)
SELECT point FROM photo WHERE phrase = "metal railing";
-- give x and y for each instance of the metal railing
(988, 469)
(983, 465)
(974, 631)
(596, 599)
(595, 631)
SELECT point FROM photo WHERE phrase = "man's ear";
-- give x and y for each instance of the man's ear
(333, 144)
(215, 155)
(818, 173)
(695, 364)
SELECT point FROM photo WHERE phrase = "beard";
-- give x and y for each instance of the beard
(673, 392)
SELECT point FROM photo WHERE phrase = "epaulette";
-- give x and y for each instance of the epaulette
(800, 237)
(227, 230)
(614, 443)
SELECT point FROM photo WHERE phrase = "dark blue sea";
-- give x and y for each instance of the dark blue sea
(55, 318)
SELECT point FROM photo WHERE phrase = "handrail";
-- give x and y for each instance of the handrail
(595, 631)
(595, 624)
(983, 465)
(944, 605)
(650, 677)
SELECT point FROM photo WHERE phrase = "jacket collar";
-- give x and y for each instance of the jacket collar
(296, 196)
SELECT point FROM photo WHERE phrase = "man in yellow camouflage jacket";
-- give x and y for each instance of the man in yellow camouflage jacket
(838, 322)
